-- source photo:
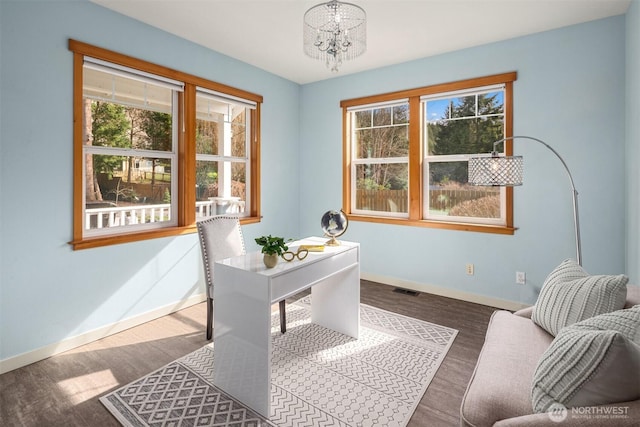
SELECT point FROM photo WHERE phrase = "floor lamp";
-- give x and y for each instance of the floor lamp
(506, 171)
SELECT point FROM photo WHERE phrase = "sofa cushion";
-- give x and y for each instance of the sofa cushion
(500, 386)
(633, 296)
(592, 362)
(569, 294)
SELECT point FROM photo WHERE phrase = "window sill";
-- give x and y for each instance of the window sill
(116, 239)
(460, 226)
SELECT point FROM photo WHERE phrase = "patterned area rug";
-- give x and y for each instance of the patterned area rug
(319, 377)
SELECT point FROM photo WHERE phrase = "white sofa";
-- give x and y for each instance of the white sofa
(499, 392)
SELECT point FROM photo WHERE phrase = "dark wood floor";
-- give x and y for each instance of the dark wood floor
(64, 390)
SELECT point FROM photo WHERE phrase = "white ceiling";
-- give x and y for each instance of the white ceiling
(268, 33)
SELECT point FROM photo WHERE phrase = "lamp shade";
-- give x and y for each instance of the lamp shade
(507, 171)
(496, 170)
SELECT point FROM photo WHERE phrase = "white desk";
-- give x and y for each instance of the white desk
(243, 293)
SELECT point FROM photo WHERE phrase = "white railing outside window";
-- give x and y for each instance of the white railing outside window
(108, 217)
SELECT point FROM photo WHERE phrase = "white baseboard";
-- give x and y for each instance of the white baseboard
(42, 353)
(445, 292)
(30, 357)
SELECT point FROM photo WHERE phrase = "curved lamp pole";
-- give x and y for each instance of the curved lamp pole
(506, 171)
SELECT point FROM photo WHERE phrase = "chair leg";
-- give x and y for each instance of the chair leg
(283, 318)
(209, 318)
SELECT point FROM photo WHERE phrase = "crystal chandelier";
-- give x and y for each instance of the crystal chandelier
(335, 32)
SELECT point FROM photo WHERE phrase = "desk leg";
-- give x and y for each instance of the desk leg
(242, 337)
(283, 316)
(335, 302)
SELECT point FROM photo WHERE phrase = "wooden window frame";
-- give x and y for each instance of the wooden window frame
(416, 190)
(186, 198)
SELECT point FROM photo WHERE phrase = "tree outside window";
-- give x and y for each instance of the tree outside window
(380, 165)
(457, 127)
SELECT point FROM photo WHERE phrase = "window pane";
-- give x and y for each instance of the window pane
(464, 106)
(388, 136)
(220, 127)
(206, 180)
(382, 116)
(238, 133)
(401, 114)
(207, 137)
(464, 136)
(453, 127)
(362, 119)
(239, 180)
(364, 143)
(119, 126)
(437, 109)
(126, 191)
(491, 103)
(450, 195)
(220, 187)
(382, 187)
(382, 142)
(221, 156)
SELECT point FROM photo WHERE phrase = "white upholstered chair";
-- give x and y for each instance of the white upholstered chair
(221, 237)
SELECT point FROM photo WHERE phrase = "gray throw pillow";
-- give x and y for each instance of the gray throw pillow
(593, 362)
(569, 294)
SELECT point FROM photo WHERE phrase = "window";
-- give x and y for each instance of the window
(407, 153)
(130, 127)
(155, 149)
(460, 125)
(380, 165)
(222, 144)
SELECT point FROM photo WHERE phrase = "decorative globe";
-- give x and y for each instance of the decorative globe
(334, 223)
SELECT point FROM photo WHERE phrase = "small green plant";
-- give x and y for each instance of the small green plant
(272, 245)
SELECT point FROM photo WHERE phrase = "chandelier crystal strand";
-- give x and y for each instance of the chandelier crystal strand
(335, 32)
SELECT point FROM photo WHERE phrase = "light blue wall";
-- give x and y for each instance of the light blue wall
(48, 291)
(569, 93)
(633, 141)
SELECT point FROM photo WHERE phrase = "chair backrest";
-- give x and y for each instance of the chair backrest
(220, 237)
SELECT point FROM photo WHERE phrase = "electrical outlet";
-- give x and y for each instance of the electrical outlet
(521, 278)
(470, 269)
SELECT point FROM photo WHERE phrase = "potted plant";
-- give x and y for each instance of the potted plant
(272, 248)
